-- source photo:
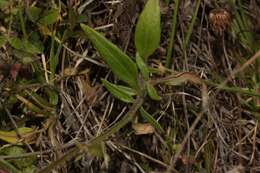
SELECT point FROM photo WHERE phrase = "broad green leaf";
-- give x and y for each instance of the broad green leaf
(36, 41)
(3, 40)
(121, 65)
(142, 67)
(118, 92)
(151, 120)
(34, 13)
(11, 136)
(17, 151)
(50, 16)
(148, 29)
(30, 48)
(24, 45)
(16, 43)
(152, 92)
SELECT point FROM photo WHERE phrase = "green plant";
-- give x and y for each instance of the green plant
(22, 165)
(138, 79)
(135, 74)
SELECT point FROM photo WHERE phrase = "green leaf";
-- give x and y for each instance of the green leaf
(16, 43)
(36, 41)
(152, 92)
(11, 136)
(127, 90)
(24, 45)
(151, 120)
(17, 151)
(118, 91)
(121, 65)
(50, 16)
(53, 97)
(3, 40)
(142, 67)
(30, 48)
(34, 13)
(148, 29)
(24, 57)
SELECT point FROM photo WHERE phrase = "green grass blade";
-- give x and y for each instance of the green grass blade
(193, 20)
(151, 120)
(173, 32)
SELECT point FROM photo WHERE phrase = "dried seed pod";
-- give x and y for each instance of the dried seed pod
(220, 19)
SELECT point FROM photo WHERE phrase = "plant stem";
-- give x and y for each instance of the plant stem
(173, 32)
(233, 89)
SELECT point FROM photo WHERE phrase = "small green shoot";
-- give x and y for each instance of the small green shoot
(142, 67)
(148, 29)
(152, 92)
(49, 17)
(122, 93)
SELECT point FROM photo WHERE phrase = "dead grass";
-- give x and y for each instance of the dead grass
(224, 138)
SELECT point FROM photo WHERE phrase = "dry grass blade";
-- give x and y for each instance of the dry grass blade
(242, 68)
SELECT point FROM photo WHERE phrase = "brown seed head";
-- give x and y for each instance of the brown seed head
(220, 20)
